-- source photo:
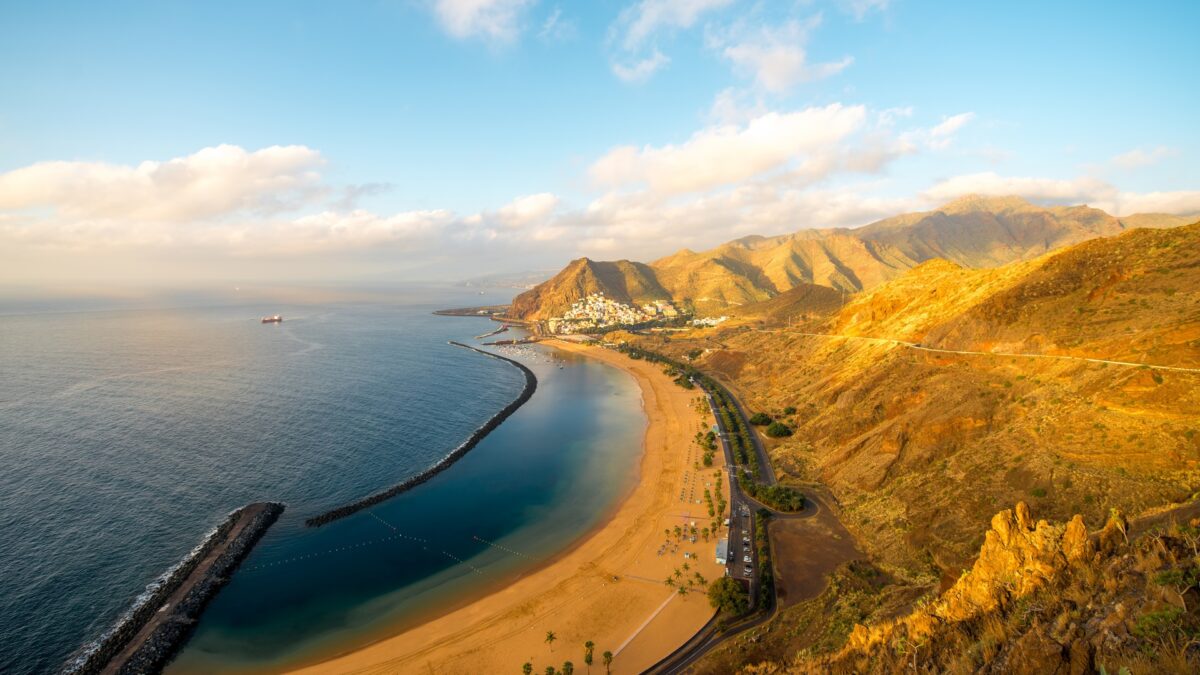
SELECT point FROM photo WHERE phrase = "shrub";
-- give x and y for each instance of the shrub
(790, 410)
(1159, 624)
(778, 430)
(726, 595)
(760, 419)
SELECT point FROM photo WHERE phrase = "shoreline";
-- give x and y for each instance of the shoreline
(640, 615)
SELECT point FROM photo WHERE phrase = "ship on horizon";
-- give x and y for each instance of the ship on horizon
(273, 319)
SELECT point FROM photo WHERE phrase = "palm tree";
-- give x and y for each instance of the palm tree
(568, 668)
(549, 670)
(550, 638)
(686, 567)
(670, 581)
(682, 591)
(700, 579)
(527, 669)
(607, 656)
(588, 647)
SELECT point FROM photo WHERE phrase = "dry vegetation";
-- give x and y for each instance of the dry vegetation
(920, 449)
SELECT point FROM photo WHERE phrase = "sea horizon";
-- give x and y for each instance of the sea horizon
(338, 366)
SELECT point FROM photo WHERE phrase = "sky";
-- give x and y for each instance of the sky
(222, 143)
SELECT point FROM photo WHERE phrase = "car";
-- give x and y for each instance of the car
(747, 559)
(749, 571)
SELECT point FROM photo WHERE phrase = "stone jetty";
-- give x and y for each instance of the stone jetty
(445, 462)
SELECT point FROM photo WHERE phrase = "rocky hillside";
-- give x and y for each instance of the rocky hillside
(623, 281)
(971, 232)
(921, 447)
(1046, 598)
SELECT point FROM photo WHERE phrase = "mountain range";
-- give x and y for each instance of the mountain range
(974, 232)
(933, 401)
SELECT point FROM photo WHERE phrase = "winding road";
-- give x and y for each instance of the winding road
(921, 347)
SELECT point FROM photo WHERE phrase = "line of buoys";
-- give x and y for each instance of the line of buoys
(340, 549)
(495, 545)
(445, 462)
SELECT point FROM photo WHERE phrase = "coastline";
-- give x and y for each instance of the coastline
(606, 586)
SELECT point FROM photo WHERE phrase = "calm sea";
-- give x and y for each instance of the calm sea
(125, 436)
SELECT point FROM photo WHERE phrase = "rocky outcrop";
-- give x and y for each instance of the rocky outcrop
(1048, 598)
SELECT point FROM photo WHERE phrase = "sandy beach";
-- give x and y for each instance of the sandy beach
(610, 588)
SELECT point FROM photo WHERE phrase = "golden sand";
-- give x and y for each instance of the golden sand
(609, 589)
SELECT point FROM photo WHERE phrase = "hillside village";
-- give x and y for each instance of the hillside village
(598, 311)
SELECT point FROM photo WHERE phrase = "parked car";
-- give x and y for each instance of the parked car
(749, 571)
(747, 559)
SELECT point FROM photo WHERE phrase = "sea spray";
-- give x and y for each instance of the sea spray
(96, 655)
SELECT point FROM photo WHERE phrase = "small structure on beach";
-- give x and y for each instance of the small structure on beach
(723, 551)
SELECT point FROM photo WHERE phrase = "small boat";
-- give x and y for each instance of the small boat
(272, 319)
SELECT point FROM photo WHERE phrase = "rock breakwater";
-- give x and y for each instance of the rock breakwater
(162, 617)
(444, 463)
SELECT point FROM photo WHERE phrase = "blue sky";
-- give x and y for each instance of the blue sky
(151, 141)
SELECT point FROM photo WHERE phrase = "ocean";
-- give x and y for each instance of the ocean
(126, 435)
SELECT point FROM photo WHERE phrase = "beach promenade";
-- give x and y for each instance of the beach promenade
(609, 588)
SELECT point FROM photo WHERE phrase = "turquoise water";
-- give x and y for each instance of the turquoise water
(127, 435)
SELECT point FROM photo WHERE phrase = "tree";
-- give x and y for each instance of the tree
(550, 638)
(778, 430)
(568, 668)
(670, 581)
(726, 595)
(607, 656)
(527, 669)
(682, 591)
(549, 670)
(760, 419)
(588, 647)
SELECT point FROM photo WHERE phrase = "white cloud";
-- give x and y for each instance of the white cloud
(556, 27)
(642, 70)
(644, 18)
(730, 106)
(950, 125)
(1180, 202)
(1043, 190)
(861, 8)
(212, 182)
(1083, 190)
(728, 154)
(1139, 157)
(939, 137)
(492, 19)
(776, 56)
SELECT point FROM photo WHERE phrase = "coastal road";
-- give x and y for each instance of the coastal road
(743, 511)
(920, 347)
(741, 516)
(766, 473)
